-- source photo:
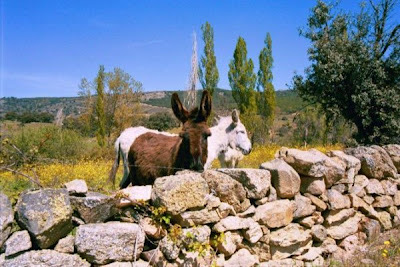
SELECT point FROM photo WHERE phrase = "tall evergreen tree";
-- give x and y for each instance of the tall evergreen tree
(101, 118)
(242, 79)
(208, 72)
(266, 93)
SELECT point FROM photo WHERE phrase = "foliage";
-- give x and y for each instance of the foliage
(309, 128)
(27, 117)
(100, 115)
(161, 121)
(242, 79)
(266, 93)
(208, 71)
(355, 68)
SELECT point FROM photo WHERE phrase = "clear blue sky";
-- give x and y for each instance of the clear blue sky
(48, 46)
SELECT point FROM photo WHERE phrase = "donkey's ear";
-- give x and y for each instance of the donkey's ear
(179, 110)
(235, 116)
(205, 106)
(215, 121)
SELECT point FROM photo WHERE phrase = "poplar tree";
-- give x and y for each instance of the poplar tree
(101, 118)
(242, 79)
(208, 72)
(265, 90)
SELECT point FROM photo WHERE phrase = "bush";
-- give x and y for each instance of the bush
(161, 121)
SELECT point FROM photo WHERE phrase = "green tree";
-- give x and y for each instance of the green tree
(355, 68)
(242, 79)
(101, 118)
(266, 94)
(208, 72)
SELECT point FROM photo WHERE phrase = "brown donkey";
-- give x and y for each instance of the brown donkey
(154, 155)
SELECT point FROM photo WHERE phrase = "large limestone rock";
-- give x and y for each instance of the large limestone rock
(313, 163)
(360, 182)
(275, 214)
(18, 242)
(348, 227)
(242, 258)
(313, 186)
(46, 214)
(94, 207)
(375, 187)
(390, 187)
(375, 161)
(134, 194)
(337, 200)
(230, 243)
(102, 243)
(255, 182)
(290, 240)
(46, 258)
(320, 204)
(261, 249)
(203, 216)
(232, 223)
(335, 217)
(226, 188)
(394, 153)
(76, 187)
(284, 178)
(352, 165)
(303, 207)
(382, 202)
(6, 218)
(180, 192)
(319, 233)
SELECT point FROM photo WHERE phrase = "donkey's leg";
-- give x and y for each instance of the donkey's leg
(125, 178)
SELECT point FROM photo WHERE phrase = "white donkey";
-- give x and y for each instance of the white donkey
(228, 142)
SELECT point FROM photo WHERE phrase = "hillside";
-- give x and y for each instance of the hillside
(287, 102)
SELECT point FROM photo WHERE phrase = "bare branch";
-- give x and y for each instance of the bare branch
(33, 180)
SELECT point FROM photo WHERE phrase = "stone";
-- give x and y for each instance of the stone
(352, 165)
(335, 217)
(199, 234)
(151, 229)
(282, 263)
(360, 182)
(319, 233)
(382, 202)
(329, 245)
(266, 234)
(394, 153)
(389, 187)
(103, 243)
(231, 223)
(229, 245)
(204, 216)
(375, 161)
(212, 202)
(303, 207)
(318, 203)
(353, 242)
(6, 218)
(368, 199)
(226, 188)
(273, 195)
(275, 214)
(255, 182)
(284, 178)
(375, 187)
(242, 258)
(312, 254)
(94, 207)
(361, 205)
(337, 200)
(66, 244)
(254, 233)
(17, 242)
(138, 263)
(392, 211)
(247, 213)
(313, 186)
(396, 199)
(341, 188)
(348, 227)
(134, 194)
(310, 221)
(76, 187)
(46, 214)
(262, 250)
(180, 192)
(289, 240)
(155, 257)
(318, 261)
(385, 220)
(169, 248)
(46, 258)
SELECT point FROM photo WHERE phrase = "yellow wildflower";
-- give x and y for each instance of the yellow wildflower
(384, 255)
(387, 242)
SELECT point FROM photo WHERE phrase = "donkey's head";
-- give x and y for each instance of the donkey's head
(195, 131)
(237, 134)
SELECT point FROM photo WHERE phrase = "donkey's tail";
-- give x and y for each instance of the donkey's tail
(113, 172)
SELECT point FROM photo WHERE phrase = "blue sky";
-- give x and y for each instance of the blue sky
(48, 46)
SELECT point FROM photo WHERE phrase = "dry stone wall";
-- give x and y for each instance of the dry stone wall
(296, 210)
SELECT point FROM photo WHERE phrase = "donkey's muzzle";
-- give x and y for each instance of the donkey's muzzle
(198, 165)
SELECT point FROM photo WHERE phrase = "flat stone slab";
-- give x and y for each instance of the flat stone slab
(6, 218)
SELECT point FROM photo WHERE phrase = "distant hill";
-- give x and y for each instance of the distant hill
(287, 102)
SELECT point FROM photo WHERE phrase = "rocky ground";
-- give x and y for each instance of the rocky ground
(303, 208)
